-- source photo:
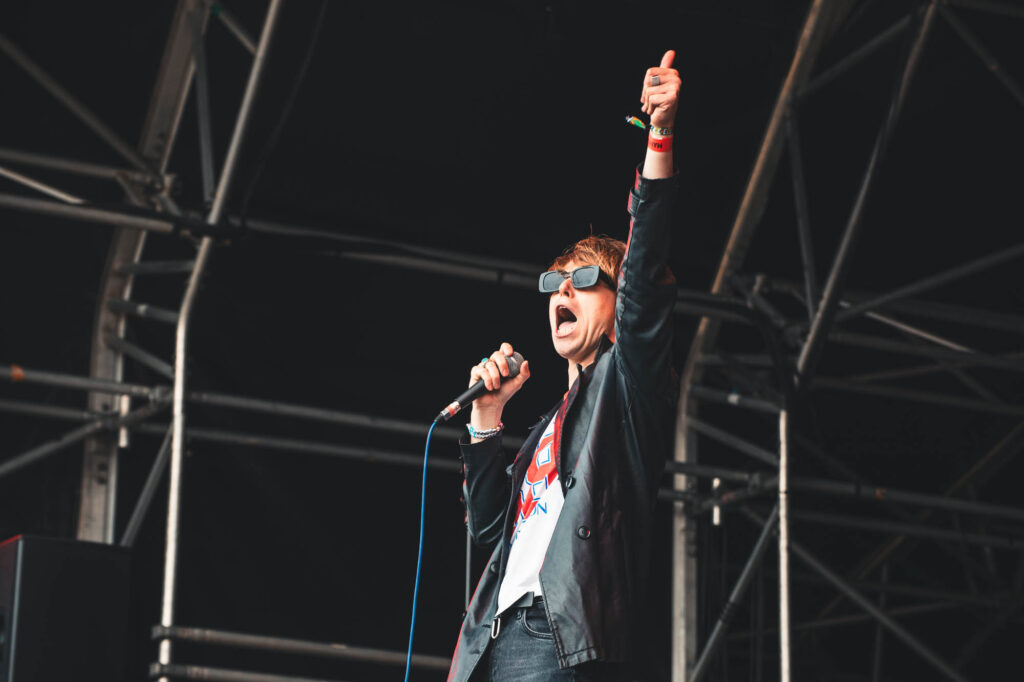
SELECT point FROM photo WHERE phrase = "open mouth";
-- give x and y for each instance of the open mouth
(565, 320)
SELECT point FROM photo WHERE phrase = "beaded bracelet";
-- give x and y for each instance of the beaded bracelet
(484, 433)
(662, 132)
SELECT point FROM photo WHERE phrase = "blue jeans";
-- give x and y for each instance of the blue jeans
(525, 652)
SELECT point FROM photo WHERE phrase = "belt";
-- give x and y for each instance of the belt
(528, 600)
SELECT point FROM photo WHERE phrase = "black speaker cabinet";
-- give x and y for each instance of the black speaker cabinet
(64, 609)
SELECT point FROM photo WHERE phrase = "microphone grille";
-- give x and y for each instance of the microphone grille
(514, 362)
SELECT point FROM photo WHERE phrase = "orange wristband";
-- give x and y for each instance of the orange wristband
(659, 144)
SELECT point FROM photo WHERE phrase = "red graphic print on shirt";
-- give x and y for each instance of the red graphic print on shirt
(540, 475)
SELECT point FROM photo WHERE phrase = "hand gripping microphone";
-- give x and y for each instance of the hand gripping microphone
(478, 389)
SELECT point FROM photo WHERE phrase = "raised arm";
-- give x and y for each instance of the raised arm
(646, 292)
(659, 97)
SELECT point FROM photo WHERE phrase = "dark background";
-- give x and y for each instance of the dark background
(495, 130)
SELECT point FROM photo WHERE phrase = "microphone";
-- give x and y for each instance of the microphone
(477, 390)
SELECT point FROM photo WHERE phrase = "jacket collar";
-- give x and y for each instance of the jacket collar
(604, 344)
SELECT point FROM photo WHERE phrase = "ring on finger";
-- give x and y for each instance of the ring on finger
(655, 80)
(484, 361)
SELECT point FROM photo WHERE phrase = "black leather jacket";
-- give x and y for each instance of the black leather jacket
(616, 436)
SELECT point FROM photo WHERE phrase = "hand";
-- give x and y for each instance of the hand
(660, 100)
(487, 408)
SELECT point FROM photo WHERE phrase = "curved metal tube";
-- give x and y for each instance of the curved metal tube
(783, 508)
(180, 344)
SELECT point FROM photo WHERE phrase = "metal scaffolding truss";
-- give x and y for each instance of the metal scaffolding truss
(785, 379)
(775, 383)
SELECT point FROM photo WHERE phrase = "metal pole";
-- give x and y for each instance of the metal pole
(803, 220)
(231, 23)
(274, 407)
(908, 529)
(39, 452)
(344, 652)
(97, 506)
(876, 665)
(857, 618)
(928, 593)
(951, 367)
(911, 371)
(918, 396)
(40, 186)
(81, 433)
(198, 672)
(927, 309)
(64, 413)
(950, 351)
(165, 267)
(991, 63)
(738, 590)
(74, 106)
(735, 399)
(156, 472)
(783, 509)
(180, 346)
(140, 355)
(881, 494)
(912, 330)
(758, 638)
(856, 57)
(474, 272)
(84, 213)
(826, 312)
(858, 490)
(202, 104)
(152, 312)
(928, 283)
(251, 440)
(882, 617)
(18, 374)
(269, 227)
(990, 6)
(703, 470)
(746, 447)
(57, 163)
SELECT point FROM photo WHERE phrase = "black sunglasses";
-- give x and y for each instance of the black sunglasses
(582, 277)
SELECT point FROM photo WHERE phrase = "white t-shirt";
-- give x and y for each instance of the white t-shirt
(540, 502)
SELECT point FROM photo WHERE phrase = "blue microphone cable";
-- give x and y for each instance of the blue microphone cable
(419, 554)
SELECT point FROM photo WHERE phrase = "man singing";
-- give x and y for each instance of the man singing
(563, 595)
